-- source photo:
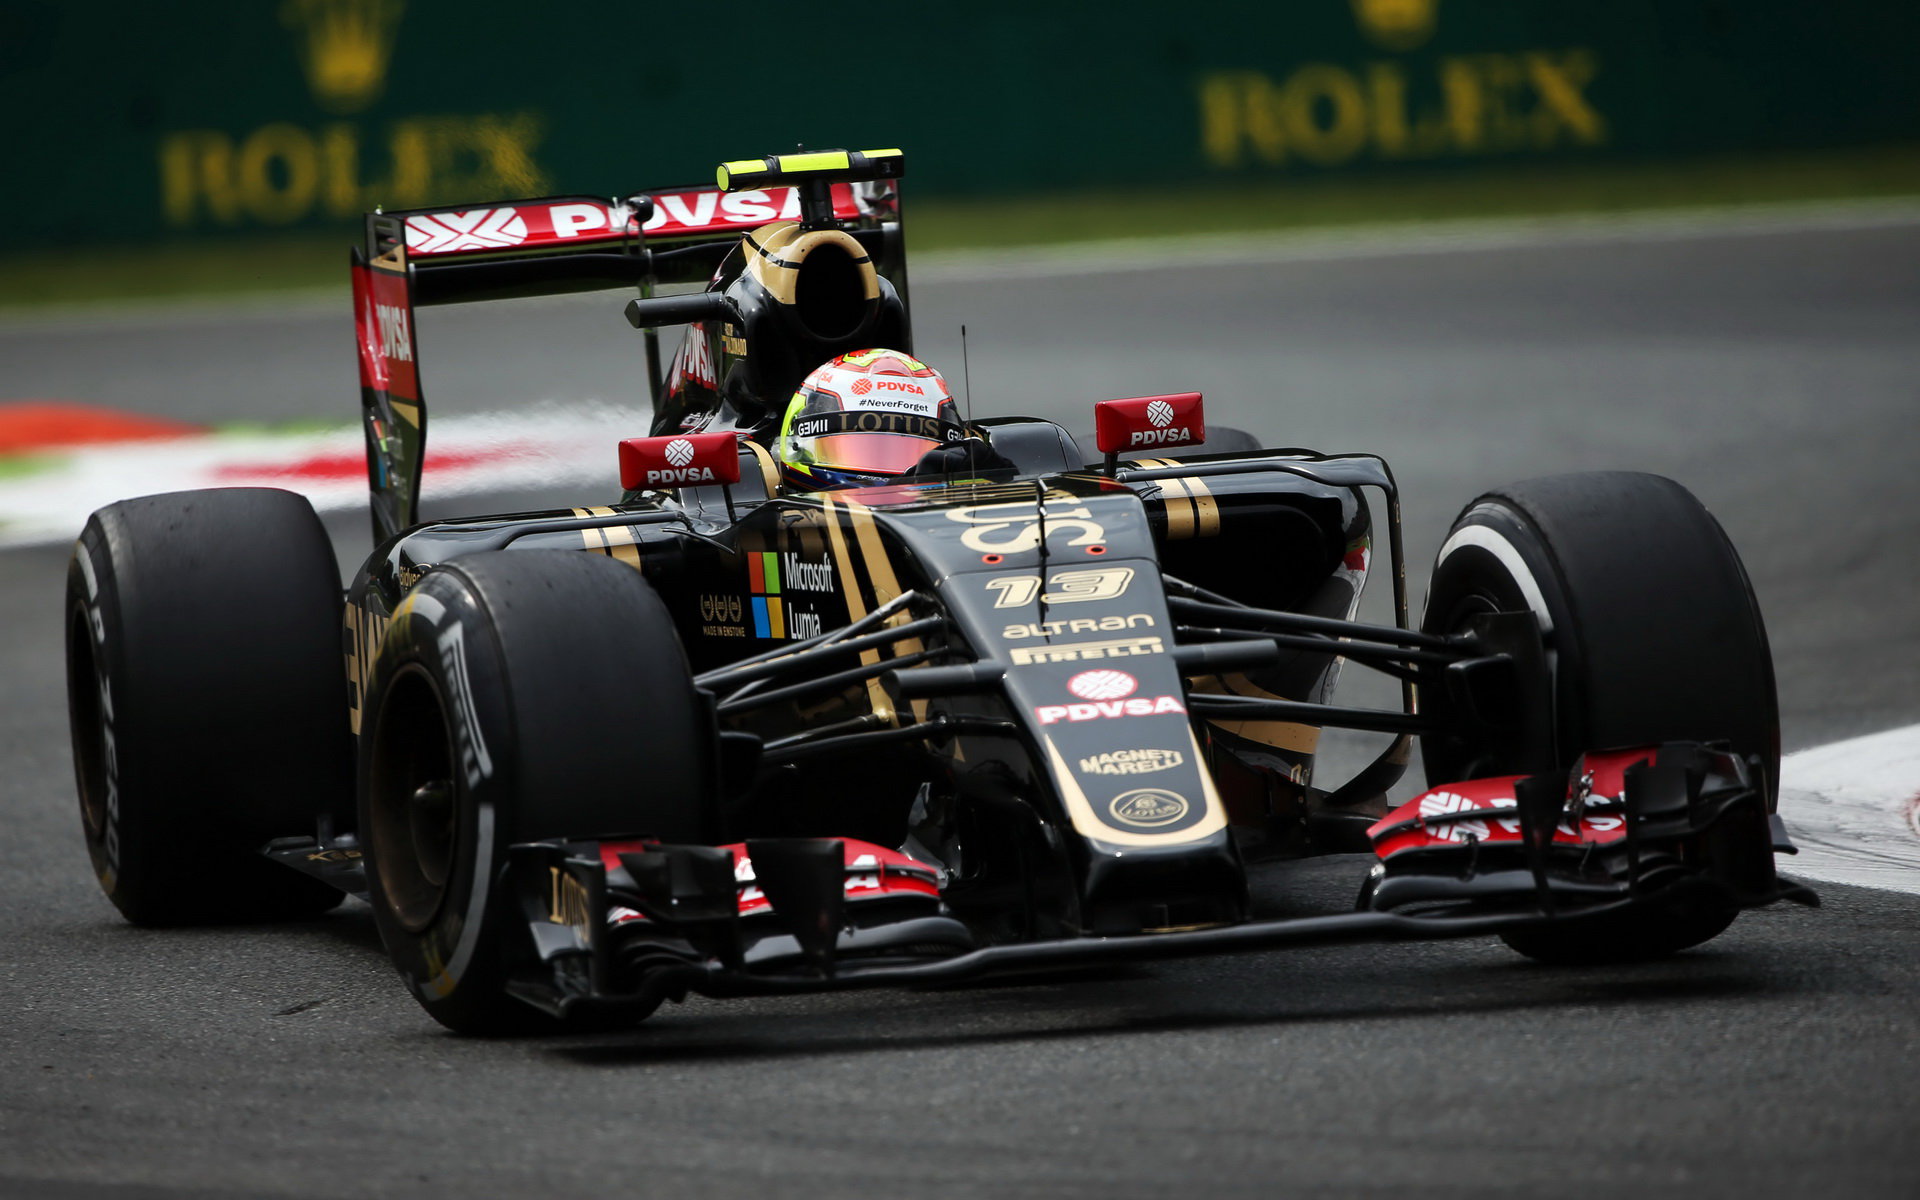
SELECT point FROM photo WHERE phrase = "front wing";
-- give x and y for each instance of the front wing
(626, 924)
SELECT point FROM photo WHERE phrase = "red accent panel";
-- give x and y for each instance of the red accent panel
(1149, 423)
(383, 325)
(580, 223)
(680, 460)
(1608, 772)
(873, 873)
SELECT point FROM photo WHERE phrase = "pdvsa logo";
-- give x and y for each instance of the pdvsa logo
(1440, 804)
(395, 342)
(1102, 685)
(481, 229)
(1097, 710)
(1160, 416)
(679, 453)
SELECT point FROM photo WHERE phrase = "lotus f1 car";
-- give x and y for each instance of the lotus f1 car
(1042, 709)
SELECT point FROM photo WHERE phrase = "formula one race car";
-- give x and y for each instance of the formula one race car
(1001, 707)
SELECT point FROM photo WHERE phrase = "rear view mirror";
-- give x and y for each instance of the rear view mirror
(1149, 423)
(680, 460)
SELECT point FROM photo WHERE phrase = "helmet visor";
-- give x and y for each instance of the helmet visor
(876, 453)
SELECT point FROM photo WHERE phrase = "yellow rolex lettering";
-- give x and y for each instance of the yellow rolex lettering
(1560, 82)
(340, 168)
(1401, 109)
(278, 171)
(1324, 113)
(282, 173)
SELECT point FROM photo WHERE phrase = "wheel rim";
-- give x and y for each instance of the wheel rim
(413, 802)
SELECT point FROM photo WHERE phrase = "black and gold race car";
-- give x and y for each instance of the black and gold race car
(1024, 706)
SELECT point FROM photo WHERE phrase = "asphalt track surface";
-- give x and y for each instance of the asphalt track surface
(1777, 375)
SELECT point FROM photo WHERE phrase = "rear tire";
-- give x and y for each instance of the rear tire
(1653, 635)
(207, 701)
(518, 696)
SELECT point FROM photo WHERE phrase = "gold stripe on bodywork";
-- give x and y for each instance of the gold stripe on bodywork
(1173, 498)
(614, 541)
(886, 585)
(856, 607)
(1206, 510)
(768, 471)
(410, 413)
(621, 544)
(1080, 809)
(1281, 735)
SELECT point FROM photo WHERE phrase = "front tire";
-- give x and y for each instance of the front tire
(518, 696)
(1653, 635)
(207, 702)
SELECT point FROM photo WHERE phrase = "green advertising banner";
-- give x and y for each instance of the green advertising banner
(133, 122)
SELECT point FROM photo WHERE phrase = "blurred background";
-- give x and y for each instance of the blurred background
(1487, 239)
(139, 127)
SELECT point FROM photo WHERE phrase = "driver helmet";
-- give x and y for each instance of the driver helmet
(865, 418)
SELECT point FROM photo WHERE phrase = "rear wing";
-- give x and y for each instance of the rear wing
(557, 244)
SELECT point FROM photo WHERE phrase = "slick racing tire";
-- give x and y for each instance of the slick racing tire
(1652, 635)
(207, 701)
(518, 696)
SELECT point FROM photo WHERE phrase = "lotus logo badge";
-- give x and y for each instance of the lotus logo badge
(345, 48)
(1148, 808)
(1160, 413)
(679, 452)
(1102, 685)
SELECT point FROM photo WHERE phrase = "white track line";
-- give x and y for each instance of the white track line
(1853, 808)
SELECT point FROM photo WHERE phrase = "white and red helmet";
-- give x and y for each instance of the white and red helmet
(865, 417)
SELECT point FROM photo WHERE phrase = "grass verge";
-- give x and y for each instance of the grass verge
(241, 265)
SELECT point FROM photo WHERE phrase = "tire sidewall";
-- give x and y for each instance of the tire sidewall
(1494, 560)
(97, 718)
(440, 636)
